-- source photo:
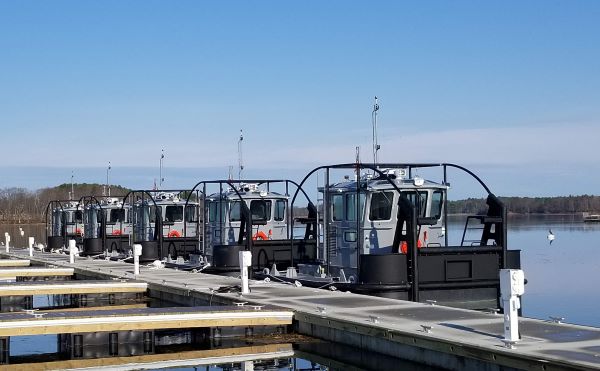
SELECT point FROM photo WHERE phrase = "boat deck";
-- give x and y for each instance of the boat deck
(433, 335)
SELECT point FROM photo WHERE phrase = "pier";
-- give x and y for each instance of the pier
(111, 320)
(166, 360)
(35, 272)
(70, 287)
(426, 333)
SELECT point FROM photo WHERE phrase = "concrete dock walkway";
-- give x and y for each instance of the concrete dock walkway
(433, 335)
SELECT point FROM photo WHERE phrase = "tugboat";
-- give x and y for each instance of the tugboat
(250, 215)
(385, 233)
(166, 224)
(64, 221)
(107, 226)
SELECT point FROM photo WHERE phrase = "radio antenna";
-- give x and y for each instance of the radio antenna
(376, 146)
(240, 155)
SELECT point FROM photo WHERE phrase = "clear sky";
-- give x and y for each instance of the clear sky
(508, 88)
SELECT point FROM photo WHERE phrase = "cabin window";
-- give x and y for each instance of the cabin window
(351, 206)
(437, 200)
(381, 206)
(116, 215)
(419, 201)
(260, 209)
(337, 202)
(78, 216)
(153, 211)
(279, 210)
(235, 214)
(213, 211)
(191, 214)
(174, 213)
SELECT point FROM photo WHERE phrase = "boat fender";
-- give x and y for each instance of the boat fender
(117, 232)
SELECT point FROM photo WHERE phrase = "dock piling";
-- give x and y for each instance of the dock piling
(72, 251)
(245, 262)
(137, 252)
(31, 241)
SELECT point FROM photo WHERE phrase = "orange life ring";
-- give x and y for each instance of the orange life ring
(174, 233)
(116, 232)
(260, 235)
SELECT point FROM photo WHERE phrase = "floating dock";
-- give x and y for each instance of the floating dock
(112, 320)
(429, 334)
(70, 287)
(167, 360)
(35, 272)
(14, 263)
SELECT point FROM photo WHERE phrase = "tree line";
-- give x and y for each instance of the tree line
(19, 205)
(531, 205)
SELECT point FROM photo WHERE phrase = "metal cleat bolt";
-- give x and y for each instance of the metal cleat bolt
(557, 319)
(257, 307)
(426, 328)
(240, 303)
(431, 302)
(510, 344)
(492, 310)
(322, 310)
(374, 319)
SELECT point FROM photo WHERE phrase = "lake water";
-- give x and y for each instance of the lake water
(563, 276)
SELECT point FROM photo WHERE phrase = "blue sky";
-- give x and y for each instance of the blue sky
(510, 89)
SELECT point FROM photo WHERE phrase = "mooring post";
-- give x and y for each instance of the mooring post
(512, 285)
(72, 251)
(7, 240)
(31, 240)
(245, 262)
(247, 365)
(137, 252)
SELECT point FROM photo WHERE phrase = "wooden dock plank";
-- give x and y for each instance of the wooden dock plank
(20, 324)
(15, 263)
(35, 272)
(70, 287)
(165, 360)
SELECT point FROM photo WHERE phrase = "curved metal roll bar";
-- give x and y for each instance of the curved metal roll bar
(231, 183)
(410, 166)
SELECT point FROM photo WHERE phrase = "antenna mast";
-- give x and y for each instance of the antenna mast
(72, 195)
(160, 177)
(240, 155)
(108, 178)
(376, 146)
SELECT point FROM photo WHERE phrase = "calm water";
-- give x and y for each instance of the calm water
(563, 277)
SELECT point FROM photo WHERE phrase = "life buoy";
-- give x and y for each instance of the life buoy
(78, 231)
(260, 235)
(174, 233)
(116, 232)
(404, 246)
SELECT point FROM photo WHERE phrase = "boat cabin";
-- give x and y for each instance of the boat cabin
(64, 221)
(166, 223)
(386, 233)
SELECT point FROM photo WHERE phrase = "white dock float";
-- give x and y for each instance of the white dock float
(35, 323)
(70, 287)
(35, 272)
(167, 360)
(15, 263)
